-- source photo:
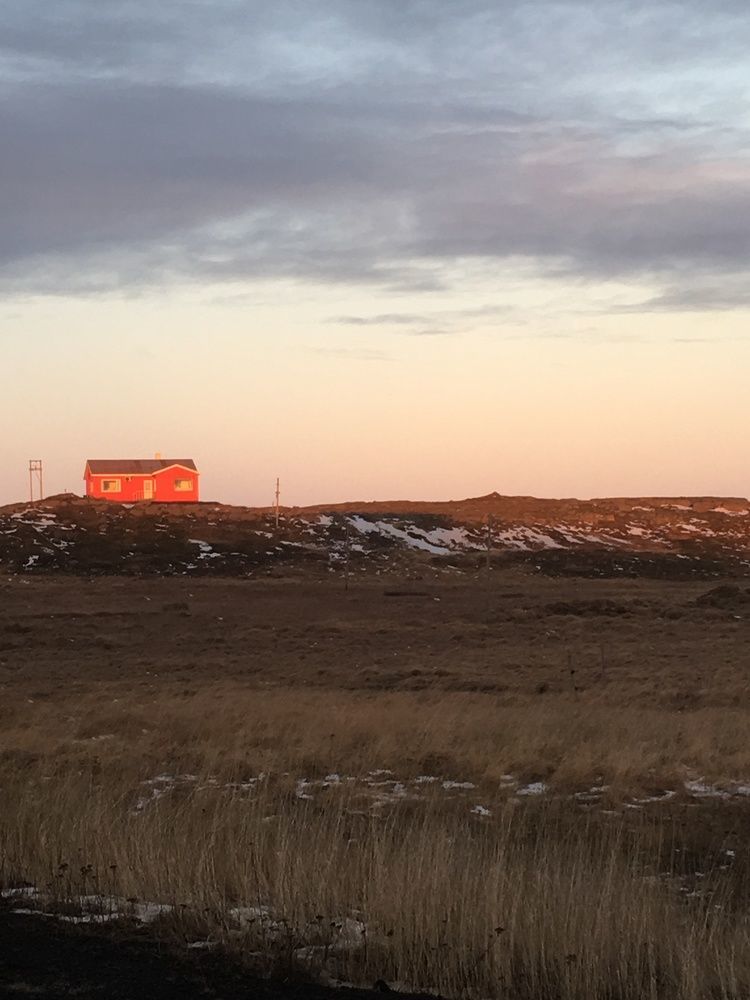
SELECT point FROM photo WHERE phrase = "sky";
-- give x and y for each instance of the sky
(378, 248)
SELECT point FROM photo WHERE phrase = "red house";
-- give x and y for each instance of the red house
(127, 480)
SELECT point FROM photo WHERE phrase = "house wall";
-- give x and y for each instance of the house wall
(132, 487)
(165, 490)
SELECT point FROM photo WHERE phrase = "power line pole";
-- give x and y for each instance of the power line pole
(278, 494)
(35, 479)
(347, 548)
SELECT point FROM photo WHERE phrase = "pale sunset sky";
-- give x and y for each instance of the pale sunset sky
(386, 249)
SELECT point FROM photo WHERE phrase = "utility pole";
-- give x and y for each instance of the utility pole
(347, 548)
(35, 479)
(278, 494)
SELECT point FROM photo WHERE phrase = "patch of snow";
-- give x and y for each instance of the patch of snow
(534, 788)
(147, 913)
(28, 891)
(454, 538)
(701, 790)
(536, 537)
(206, 550)
(389, 530)
(699, 529)
(245, 915)
(661, 797)
(301, 788)
(569, 535)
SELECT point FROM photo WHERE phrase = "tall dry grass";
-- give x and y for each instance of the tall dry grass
(232, 731)
(537, 902)
(541, 899)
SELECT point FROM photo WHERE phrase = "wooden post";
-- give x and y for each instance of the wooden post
(346, 552)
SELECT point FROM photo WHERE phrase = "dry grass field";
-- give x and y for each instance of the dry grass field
(511, 786)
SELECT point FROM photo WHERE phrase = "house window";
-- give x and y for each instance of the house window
(183, 485)
(111, 486)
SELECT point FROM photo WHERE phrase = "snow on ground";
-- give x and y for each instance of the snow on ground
(41, 531)
(363, 526)
(206, 550)
(697, 528)
(89, 909)
(453, 538)
(534, 788)
(381, 786)
(523, 538)
(341, 933)
(46, 520)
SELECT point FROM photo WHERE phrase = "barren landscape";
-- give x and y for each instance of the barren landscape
(522, 772)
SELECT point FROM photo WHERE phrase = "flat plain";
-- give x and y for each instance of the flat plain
(492, 784)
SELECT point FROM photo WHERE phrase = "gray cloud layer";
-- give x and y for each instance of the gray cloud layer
(375, 142)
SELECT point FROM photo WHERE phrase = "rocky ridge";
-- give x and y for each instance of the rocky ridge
(664, 536)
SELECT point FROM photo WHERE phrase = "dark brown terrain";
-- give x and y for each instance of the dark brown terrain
(670, 538)
(374, 719)
(51, 961)
(512, 633)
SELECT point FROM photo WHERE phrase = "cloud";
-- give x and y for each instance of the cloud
(381, 319)
(721, 293)
(351, 353)
(445, 322)
(373, 144)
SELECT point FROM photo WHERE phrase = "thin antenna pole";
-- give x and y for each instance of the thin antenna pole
(35, 476)
(346, 554)
(278, 494)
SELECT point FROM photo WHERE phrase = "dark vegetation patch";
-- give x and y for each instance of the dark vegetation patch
(605, 564)
(48, 960)
(597, 606)
(726, 597)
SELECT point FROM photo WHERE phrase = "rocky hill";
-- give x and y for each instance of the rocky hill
(665, 536)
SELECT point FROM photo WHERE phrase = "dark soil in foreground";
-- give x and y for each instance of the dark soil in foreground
(52, 961)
